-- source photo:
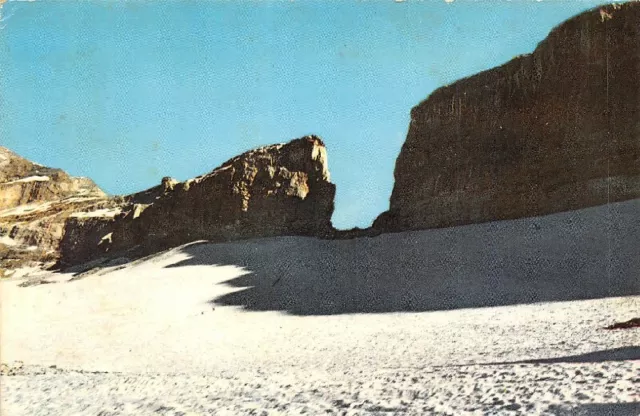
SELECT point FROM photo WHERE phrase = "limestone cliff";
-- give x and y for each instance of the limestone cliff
(282, 189)
(35, 202)
(23, 182)
(555, 130)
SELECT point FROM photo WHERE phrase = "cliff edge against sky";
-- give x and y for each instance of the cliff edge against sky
(555, 130)
(47, 216)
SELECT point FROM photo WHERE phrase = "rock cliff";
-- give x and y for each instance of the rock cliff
(282, 189)
(48, 216)
(35, 202)
(555, 130)
(23, 182)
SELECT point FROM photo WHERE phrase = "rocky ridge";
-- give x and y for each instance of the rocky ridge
(49, 216)
(282, 189)
(35, 203)
(23, 182)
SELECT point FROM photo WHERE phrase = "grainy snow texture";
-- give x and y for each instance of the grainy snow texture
(498, 318)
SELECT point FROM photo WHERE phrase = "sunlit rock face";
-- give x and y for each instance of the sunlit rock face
(23, 182)
(35, 202)
(555, 130)
(282, 189)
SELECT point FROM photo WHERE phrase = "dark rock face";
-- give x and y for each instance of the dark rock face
(552, 131)
(275, 190)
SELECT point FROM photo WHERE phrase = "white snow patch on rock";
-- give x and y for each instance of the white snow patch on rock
(29, 179)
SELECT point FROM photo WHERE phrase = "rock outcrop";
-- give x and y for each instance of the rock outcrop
(23, 182)
(48, 216)
(35, 202)
(555, 130)
(276, 190)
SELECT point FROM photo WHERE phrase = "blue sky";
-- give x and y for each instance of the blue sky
(128, 92)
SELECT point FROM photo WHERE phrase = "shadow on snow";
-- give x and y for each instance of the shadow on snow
(591, 253)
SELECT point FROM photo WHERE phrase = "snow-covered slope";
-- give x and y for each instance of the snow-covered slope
(395, 323)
